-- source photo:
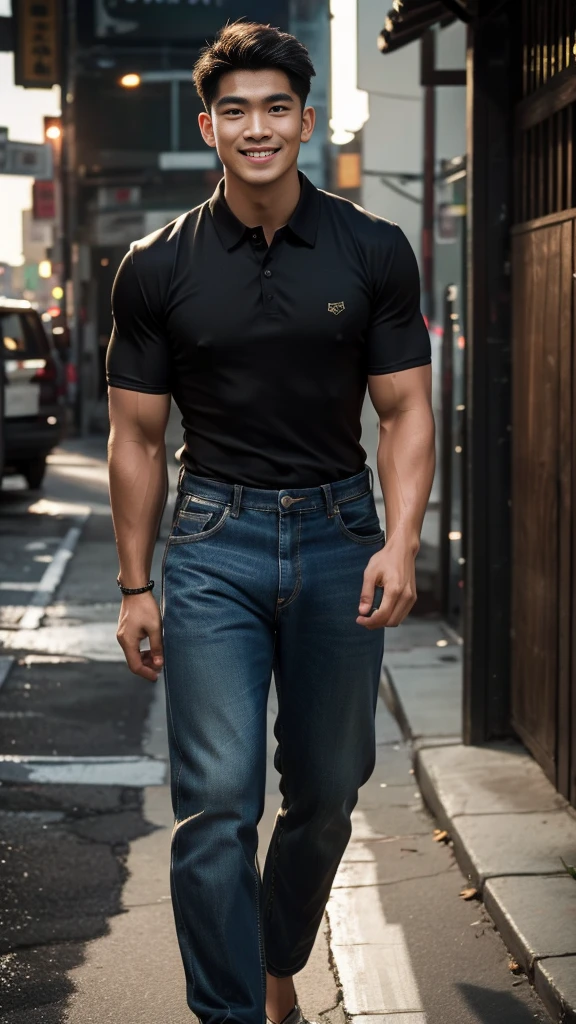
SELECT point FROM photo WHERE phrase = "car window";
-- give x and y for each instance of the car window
(22, 337)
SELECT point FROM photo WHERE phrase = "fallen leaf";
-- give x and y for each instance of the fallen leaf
(514, 966)
(440, 835)
(469, 894)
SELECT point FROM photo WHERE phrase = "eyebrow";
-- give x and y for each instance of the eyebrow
(225, 101)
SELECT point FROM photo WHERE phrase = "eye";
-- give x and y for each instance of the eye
(233, 111)
(278, 107)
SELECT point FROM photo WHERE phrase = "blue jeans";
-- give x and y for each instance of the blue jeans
(255, 582)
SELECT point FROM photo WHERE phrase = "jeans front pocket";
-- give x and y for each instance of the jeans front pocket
(197, 523)
(358, 519)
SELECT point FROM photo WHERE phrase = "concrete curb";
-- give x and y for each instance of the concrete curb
(509, 828)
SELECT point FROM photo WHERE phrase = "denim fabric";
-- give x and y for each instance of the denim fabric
(255, 582)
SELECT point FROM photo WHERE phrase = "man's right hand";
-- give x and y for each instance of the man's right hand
(140, 618)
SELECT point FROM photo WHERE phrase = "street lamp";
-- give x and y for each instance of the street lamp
(130, 81)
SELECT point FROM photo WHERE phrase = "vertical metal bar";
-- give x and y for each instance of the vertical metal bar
(428, 56)
(174, 115)
(570, 199)
(525, 50)
(560, 146)
(550, 175)
(524, 182)
(540, 168)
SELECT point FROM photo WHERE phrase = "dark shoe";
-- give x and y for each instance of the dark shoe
(294, 1017)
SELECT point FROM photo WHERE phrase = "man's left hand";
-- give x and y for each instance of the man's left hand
(393, 569)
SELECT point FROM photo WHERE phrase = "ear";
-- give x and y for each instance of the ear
(207, 129)
(308, 122)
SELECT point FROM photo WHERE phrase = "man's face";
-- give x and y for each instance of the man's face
(257, 124)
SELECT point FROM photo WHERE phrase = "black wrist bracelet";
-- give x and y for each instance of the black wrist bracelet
(135, 590)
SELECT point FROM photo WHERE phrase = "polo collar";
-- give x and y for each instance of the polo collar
(303, 223)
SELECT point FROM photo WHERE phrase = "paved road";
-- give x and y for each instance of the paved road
(86, 929)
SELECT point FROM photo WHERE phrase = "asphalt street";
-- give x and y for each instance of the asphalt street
(86, 930)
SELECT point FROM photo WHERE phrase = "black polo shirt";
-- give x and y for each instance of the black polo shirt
(267, 349)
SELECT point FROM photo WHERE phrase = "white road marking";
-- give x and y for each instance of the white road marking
(52, 577)
(18, 585)
(93, 771)
(95, 641)
(371, 956)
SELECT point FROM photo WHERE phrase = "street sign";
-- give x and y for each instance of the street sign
(37, 64)
(180, 20)
(44, 200)
(28, 158)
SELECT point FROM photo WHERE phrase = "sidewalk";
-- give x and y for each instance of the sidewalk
(508, 825)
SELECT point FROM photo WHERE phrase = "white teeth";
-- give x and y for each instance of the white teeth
(260, 154)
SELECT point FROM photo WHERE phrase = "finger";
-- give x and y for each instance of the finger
(403, 608)
(148, 663)
(156, 649)
(385, 613)
(393, 612)
(133, 656)
(367, 594)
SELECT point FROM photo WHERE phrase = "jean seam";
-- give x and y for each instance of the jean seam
(298, 584)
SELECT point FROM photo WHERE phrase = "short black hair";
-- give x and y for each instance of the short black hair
(249, 46)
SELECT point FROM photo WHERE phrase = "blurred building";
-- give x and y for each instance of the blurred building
(508, 359)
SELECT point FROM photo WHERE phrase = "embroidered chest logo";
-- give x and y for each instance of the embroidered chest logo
(336, 307)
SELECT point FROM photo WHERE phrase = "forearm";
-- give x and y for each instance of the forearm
(138, 485)
(406, 462)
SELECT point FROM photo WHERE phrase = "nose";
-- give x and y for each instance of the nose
(257, 128)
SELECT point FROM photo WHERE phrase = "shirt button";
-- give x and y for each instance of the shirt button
(269, 298)
(267, 273)
(254, 236)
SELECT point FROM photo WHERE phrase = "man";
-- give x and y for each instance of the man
(265, 312)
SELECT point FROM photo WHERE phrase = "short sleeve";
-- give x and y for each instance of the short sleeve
(397, 337)
(137, 355)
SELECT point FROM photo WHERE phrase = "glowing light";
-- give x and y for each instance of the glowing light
(54, 311)
(130, 81)
(455, 535)
(349, 104)
(53, 132)
(441, 643)
(52, 420)
(104, 261)
(45, 269)
(57, 292)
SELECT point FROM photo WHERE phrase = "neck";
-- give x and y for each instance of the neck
(269, 205)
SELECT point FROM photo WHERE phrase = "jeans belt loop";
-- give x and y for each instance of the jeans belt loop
(236, 502)
(328, 499)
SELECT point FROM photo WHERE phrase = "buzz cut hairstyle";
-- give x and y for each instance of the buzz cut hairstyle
(249, 46)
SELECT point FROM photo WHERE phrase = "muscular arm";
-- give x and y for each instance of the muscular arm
(406, 461)
(138, 483)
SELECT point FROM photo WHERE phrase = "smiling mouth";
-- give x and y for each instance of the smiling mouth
(259, 154)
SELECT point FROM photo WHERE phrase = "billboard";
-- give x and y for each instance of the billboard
(179, 21)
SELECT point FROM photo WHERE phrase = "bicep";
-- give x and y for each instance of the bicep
(402, 391)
